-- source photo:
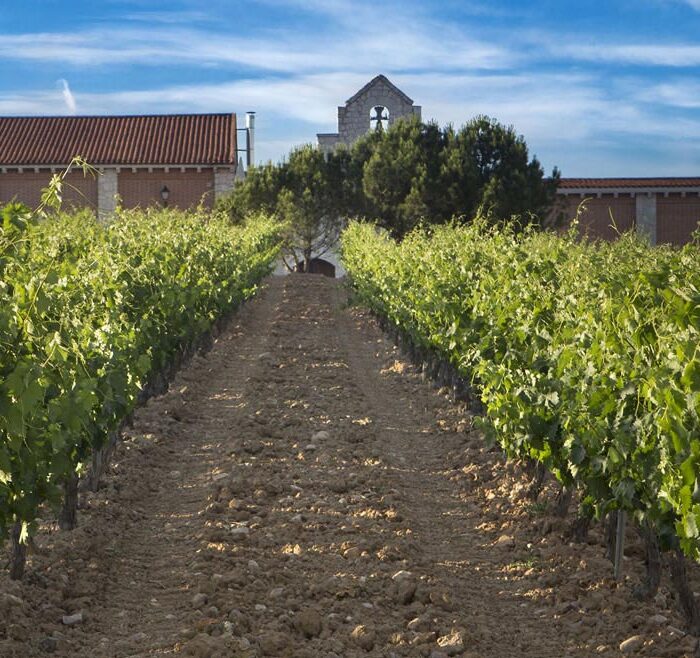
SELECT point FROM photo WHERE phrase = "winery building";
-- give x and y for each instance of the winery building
(666, 210)
(170, 160)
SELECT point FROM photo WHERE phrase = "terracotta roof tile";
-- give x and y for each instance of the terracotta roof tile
(175, 139)
(617, 183)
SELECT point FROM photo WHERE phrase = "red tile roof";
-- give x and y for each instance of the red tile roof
(181, 139)
(617, 183)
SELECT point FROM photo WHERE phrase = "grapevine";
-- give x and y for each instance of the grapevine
(88, 312)
(585, 354)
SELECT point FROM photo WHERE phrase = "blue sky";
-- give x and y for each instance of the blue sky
(597, 88)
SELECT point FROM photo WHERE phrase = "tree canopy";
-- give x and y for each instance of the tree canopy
(416, 172)
(412, 173)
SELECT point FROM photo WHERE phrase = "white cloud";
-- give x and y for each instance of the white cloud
(167, 17)
(673, 55)
(34, 103)
(683, 94)
(284, 52)
(564, 118)
(312, 99)
(26, 104)
(535, 104)
(569, 118)
(413, 44)
(68, 97)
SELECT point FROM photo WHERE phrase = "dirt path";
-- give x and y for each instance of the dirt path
(300, 492)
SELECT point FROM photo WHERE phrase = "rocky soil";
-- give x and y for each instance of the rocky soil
(301, 492)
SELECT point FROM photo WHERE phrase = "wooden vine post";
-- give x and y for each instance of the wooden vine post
(620, 543)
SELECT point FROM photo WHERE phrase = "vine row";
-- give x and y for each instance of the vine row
(89, 313)
(586, 355)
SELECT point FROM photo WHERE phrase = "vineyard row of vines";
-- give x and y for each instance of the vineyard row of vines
(90, 313)
(585, 357)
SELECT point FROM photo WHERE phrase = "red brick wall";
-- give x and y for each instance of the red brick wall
(136, 189)
(78, 191)
(676, 218)
(186, 189)
(595, 220)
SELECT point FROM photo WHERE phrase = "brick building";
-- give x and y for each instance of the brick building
(178, 160)
(666, 210)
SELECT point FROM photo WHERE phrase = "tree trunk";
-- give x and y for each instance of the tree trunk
(460, 389)
(425, 367)
(610, 531)
(476, 406)
(68, 518)
(578, 531)
(648, 589)
(444, 375)
(537, 471)
(412, 352)
(98, 463)
(19, 553)
(434, 366)
(686, 598)
(563, 501)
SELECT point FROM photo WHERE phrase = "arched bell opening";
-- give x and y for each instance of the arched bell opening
(379, 118)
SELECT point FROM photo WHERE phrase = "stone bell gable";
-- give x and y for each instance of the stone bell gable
(378, 101)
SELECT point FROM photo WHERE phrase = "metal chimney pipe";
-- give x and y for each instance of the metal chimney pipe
(250, 137)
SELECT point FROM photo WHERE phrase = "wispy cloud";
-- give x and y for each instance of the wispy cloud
(282, 52)
(681, 55)
(434, 47)
(33, 103)
(312, 99)
(583, 100)
(555, 112)
(549, 109)
(684, 94)
(168, 17)
(68, 97)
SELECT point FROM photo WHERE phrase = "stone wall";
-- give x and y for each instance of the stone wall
(328, 142)
(224, 179)
(354, 118)
(645, 216)
(107, 191)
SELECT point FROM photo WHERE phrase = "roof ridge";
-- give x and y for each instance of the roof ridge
(379, 78)
(142, 139)
(114, 116)
(640, 178)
